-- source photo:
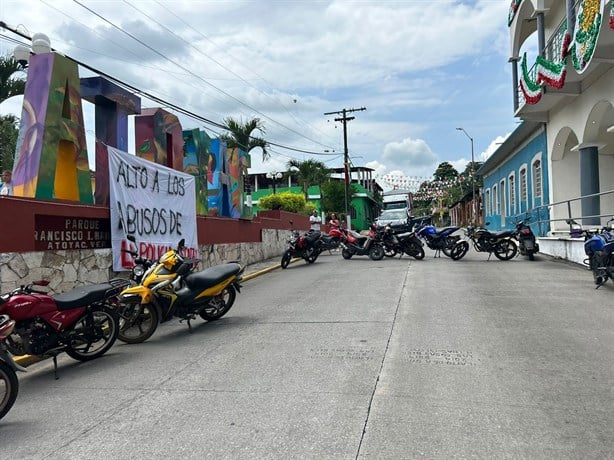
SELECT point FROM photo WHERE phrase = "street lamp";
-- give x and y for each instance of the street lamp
(472, 176)
(274, 175)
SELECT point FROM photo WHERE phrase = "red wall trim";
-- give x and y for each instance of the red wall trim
(17, 217)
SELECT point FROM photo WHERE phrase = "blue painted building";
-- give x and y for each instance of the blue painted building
(516, 184)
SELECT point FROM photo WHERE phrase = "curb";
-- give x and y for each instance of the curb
(27, 360)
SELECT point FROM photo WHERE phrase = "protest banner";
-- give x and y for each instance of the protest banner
(154, 203)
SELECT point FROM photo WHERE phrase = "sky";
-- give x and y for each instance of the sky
(420, 69)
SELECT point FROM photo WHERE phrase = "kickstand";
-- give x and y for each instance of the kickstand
(55, 367)
(189, 326)
(489, 255)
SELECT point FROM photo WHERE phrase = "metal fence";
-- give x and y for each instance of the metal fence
(569, 212)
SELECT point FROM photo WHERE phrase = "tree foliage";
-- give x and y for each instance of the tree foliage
(241, 135)
(287, 201)
(445, 171)
(8, 141)
(333, 196)
(11, 84)
(309, 172)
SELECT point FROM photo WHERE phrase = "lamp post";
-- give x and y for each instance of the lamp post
(472, 177)
(274, 175)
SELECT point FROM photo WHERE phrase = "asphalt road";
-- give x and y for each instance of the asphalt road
(396, 359)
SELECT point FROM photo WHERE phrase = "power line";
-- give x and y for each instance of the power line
(154, 98)
(163, 56)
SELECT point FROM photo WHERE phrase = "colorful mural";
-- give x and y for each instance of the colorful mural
(196, 156)
(217, 151)
(51, 160)
(113, 105)
(158, 137)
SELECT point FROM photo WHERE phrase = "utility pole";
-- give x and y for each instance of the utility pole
(346, 158)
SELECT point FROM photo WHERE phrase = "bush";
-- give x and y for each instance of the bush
(288, 201)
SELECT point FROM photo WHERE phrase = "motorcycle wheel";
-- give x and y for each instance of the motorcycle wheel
(286, 258)
(219, 305)
(347, 254)
(137, 322)
(415, 250)
(9, 387)
(448, 246)
(459, 250)
(506, 250)
(93, 334)
(376, 252)
(311, 255)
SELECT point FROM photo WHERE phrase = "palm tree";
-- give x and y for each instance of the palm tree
(9, 85)
(310, 172)
(240, 135)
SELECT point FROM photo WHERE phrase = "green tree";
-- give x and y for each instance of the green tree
(241, 135)
(8, 141)
(333, 196)
(309, 172)
(445, 171)
(11, 84)
(288, 201)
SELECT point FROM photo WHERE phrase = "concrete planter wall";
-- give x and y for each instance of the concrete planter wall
(67, 269)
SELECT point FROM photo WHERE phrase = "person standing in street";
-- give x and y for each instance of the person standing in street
(6, 186)
(315, 220)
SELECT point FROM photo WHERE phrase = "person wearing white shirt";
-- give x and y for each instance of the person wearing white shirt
(315, 220)
(6, 186)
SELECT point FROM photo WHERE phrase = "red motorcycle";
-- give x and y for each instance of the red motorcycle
(82, 322)
(9, 385)
(355, 244)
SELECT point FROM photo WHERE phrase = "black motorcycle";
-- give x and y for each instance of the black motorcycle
(443, 241)
(501, 244)
(599, 250)
(400, 243)
(305, 246)
(527, 244)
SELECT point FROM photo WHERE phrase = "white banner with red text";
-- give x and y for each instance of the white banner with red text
(154, 203)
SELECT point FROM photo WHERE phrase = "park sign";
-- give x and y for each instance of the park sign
(154, 203)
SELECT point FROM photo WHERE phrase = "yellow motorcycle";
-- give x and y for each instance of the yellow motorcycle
(171, 289)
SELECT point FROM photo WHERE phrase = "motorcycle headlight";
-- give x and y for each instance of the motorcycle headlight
(138, 270)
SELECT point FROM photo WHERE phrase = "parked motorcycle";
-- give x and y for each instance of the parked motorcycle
(9, 384)
(82, 322)
(171, 289)
(306, 246)
(599, 248)
(527, 244)
(400, 243)
(501, 244)
(355, 244)
(443, 241)
(330, 240)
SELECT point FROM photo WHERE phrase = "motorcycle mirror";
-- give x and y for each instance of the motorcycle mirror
(130, 237)
(181, 244)
(40, 283)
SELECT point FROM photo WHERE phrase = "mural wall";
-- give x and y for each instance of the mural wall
(51, 160)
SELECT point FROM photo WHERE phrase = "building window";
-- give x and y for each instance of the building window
(537, 179)
(495, 197)
(523, 185)
(487, 202)
(512, 185)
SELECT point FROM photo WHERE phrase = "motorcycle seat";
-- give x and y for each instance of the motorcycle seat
(212, 275)
(82, 296)
(503, 234)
